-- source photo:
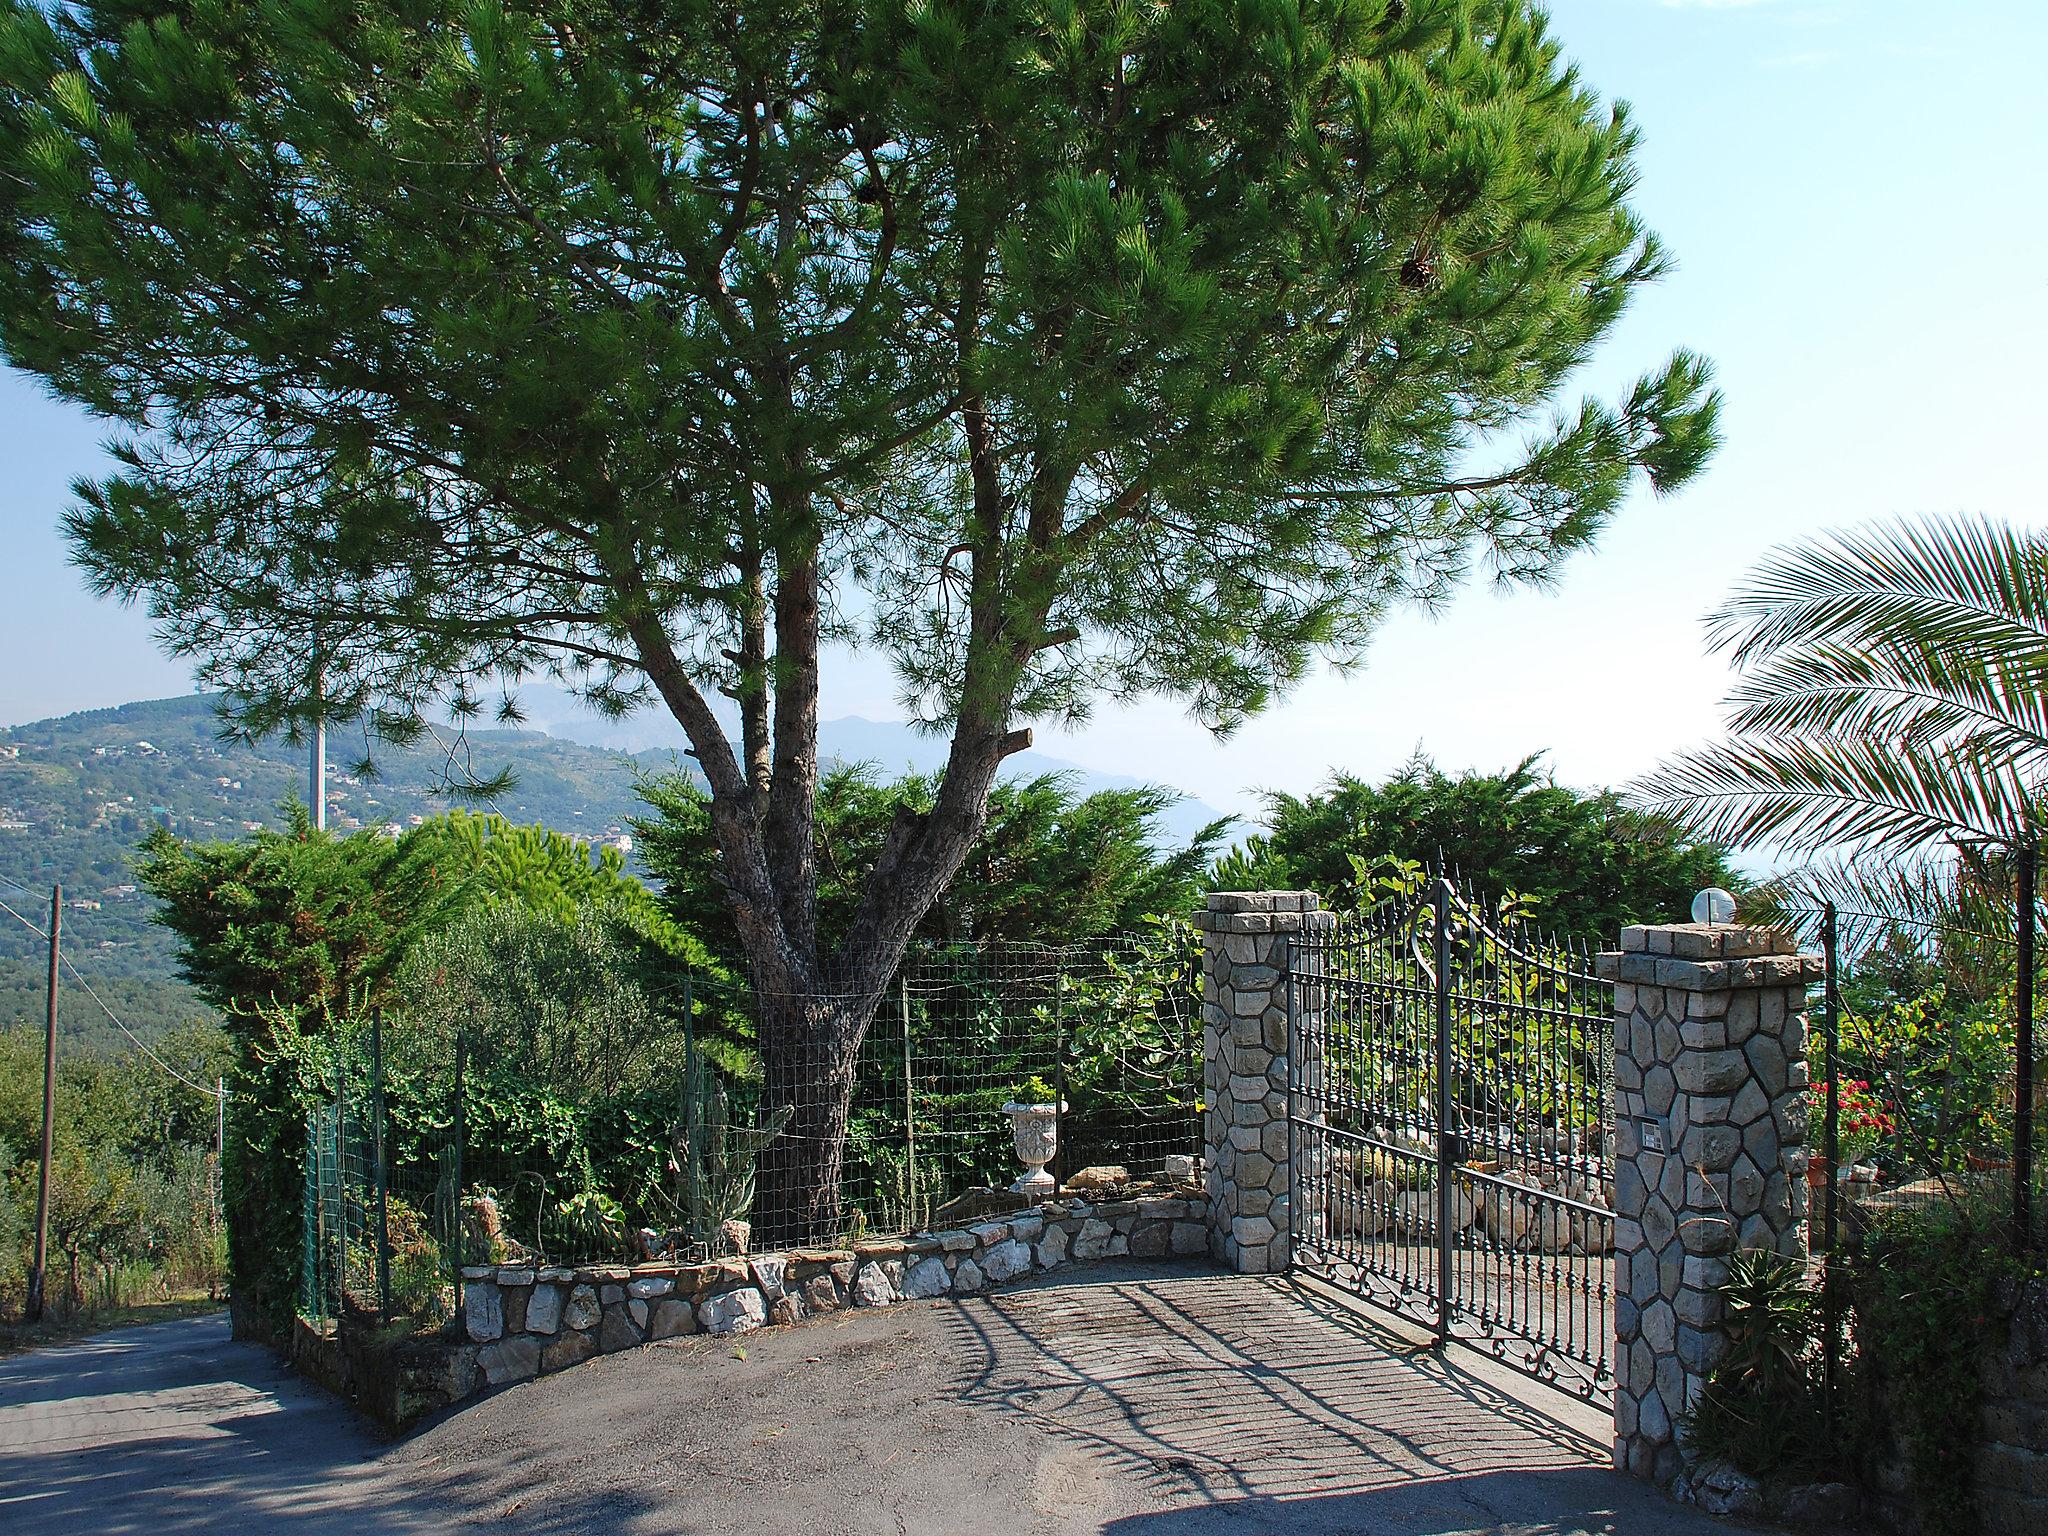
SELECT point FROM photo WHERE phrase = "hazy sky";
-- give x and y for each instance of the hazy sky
(1854, 191)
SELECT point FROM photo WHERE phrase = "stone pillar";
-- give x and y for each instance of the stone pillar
(1709, 1154)
(1247, 939)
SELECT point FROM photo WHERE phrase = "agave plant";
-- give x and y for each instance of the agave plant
(1892, 696)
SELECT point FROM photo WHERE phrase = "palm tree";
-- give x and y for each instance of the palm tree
(1891, 698)
(1890, 722)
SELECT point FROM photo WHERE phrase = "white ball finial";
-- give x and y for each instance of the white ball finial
(1714, 906)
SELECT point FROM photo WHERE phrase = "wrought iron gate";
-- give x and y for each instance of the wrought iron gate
(1451, 1084)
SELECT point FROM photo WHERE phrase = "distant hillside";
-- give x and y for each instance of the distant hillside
(79, 793)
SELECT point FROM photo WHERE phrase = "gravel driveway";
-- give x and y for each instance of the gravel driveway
(1134, 1400)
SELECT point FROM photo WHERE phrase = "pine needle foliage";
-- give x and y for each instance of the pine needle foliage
(1052, 866)
(1891, 698)
(1585, 862)
(1055, 349)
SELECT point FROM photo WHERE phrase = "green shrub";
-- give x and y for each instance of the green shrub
(1763, 1410)
(1926, 1287)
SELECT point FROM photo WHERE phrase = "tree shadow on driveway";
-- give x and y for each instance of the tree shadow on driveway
(1244, 1404)
(175, 1428)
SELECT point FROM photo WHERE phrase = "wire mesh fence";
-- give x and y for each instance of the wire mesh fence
(1923, 1066)
(382, 1209)
(719, 1117)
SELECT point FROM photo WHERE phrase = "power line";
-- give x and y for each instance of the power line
(41, 933)
(10, 880)
(133, 1039)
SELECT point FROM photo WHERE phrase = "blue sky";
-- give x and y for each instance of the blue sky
(1854, 191)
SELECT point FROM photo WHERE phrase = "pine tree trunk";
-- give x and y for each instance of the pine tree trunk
(809, 1046)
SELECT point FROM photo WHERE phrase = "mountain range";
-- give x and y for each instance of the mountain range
(79, 792)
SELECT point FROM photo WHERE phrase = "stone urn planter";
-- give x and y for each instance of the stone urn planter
(1036, 1130)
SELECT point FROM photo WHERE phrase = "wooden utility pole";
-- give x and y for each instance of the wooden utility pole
(316, 764)
(33, 1312)
(220, 1159)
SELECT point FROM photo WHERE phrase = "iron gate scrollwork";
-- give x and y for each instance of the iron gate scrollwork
(1451, 1080)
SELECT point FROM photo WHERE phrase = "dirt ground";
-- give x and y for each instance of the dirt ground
(1130, 1400)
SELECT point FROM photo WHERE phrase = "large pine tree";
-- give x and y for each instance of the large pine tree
(1058, 349)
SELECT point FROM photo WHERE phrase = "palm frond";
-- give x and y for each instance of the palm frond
(1952, 912)
(1906, 693)
(1895, 695)
(1920, 893)
(1808, 797)
(1967, 584)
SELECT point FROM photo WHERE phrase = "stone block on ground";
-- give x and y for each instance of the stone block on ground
(544, 1309)
(483, 1311)
(618, 1330)
(672, 1316)
(583, 1310)
(926, 1278)
(740, 1311)
(566, 1349)
(871, 1287)
(509, 1360)
(1101, 1179)
(1006, 1260)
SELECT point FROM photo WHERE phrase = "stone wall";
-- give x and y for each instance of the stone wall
(393, 1382)
(1710, 1084)
(1247, 941)
(518, 1322)
(2012, 1462)
(2009, 1483)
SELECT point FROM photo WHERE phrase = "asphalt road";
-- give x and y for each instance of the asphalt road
(1125, 1401)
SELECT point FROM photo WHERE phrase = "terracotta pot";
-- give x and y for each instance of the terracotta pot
(1817, 1172)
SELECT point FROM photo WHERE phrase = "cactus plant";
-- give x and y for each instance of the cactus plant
(716, 1158)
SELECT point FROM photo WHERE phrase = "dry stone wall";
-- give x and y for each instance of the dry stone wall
(2012, 1459)
(520, 1321)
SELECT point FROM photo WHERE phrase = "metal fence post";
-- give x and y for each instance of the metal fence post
(379, 1171)
(459, 1217)
(1831, 1041)
(340, 1182)
(912, 1209)
(1059, 1076)
(1445, 1278)
(2023, 1075)
(1831, 1025)
(1297, 1208)
(218, 1213)
(693, 1169)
